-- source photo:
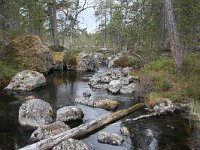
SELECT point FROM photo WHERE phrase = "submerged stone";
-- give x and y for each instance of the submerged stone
(110, 138)
(105, 104)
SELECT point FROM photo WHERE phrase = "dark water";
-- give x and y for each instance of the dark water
(170, 132)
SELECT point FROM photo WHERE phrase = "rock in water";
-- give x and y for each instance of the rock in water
(124, 131)
(34, 113)
(26, 80)
(128, 89)
(86, 62)
(114, 86)
(71, 144)
(69, 113)
(110, 138)
(86, 94)
(105, 104)
(28, 52)
(46, 131)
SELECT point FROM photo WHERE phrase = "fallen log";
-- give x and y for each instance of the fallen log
(82, 130)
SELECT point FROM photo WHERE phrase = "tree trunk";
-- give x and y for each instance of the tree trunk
(175, 46)
(54, 24)
(30, 17)
(82, 130)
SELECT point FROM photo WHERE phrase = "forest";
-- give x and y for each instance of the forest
(120, 60)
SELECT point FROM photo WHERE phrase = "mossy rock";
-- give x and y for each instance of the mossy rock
(27, 52)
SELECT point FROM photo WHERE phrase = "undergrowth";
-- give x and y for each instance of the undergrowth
(178, 86)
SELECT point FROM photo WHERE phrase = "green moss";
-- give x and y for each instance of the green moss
(6, 71)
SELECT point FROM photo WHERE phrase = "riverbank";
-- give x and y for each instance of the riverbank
(178, 86)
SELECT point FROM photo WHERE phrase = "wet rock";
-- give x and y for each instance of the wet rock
(86, 62)
(71, 144)
(34, 113)
(124, 131)
(105, 104)
(69, 113)
(110, 138)
(128, 89)
(114, 86)
(26, 80)
(86, 94)
(101, 86)
(46, 131)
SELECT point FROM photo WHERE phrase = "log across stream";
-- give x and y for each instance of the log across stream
(83, 129)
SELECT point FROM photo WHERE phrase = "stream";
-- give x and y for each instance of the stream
(168, 132)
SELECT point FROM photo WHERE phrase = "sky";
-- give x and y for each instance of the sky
(88, 20)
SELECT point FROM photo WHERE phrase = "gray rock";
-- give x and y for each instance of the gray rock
(164, 105)
(116, 74)
(110, 138)
(69, 113)
(124, 131)
(86, 62)
(105, 104)
(101, 86)
(86, 94)
(128, 89)
(114, 86)
(126, 71)
(71, 144)
(105, 79)
(46, 131)
(34, 113)
(124, 80)
(26, 80)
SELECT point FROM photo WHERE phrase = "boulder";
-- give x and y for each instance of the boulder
(69, 113)
(35, 113)
(124, 131)
(128, 89)
(114, 86)
(46, 131)
(110, 138)
(105, 104)
(28, 52)
(86, 94)
(71, 144)
(86, 62)
(26, 80)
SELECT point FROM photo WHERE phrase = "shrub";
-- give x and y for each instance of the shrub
(161, 64)
(128, 61)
